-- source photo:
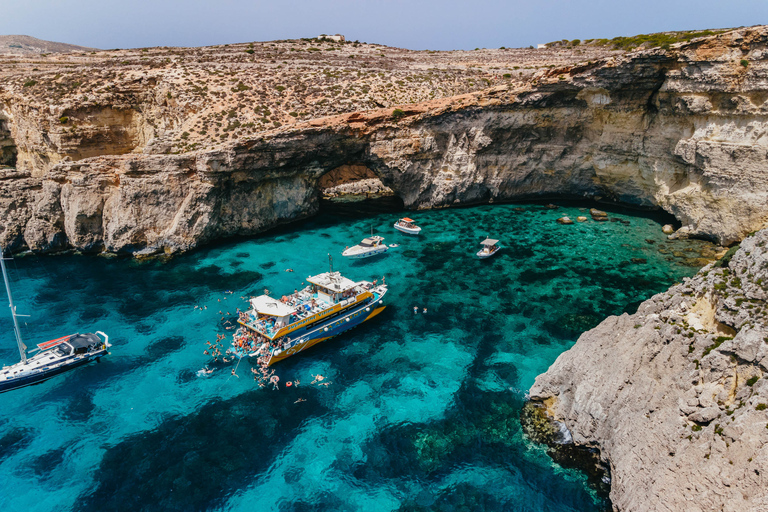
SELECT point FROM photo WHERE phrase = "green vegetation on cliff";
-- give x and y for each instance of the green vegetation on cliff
(659, 39)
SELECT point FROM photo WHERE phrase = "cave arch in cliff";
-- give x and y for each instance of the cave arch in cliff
(355, 180)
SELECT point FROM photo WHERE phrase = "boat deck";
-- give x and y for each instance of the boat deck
(304, 302)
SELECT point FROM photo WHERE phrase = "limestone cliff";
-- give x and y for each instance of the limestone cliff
(682, 129)
(674, 396)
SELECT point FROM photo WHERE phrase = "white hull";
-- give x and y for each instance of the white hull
(357, 254)
(409, 231)
(482, 254)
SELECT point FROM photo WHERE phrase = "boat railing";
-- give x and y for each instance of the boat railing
(106, 338)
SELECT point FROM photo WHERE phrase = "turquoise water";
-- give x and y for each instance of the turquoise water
(420, 411)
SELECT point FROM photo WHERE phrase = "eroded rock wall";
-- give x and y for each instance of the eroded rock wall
(682, 129)
(675, 395)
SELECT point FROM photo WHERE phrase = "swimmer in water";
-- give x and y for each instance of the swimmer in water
(415, 310)
(425, 311)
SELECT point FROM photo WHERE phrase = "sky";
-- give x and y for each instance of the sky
(412, 24)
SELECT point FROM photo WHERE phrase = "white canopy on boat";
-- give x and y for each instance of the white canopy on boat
(332, 281)
(489, 241)
(266, 305)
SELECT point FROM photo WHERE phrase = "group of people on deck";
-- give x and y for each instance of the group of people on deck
(247, 340)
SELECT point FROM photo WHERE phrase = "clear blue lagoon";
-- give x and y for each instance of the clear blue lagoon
(421, 411)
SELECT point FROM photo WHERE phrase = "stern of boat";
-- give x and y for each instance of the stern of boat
(107, 344)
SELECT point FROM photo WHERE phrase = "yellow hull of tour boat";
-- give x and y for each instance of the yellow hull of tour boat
(312, 342)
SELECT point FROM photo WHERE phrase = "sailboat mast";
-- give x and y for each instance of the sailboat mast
(17, 331)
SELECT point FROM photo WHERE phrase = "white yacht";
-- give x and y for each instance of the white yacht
(408, 226)
(370, 246)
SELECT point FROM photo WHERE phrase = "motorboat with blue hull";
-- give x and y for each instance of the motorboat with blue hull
(276, 329)
(50, 358)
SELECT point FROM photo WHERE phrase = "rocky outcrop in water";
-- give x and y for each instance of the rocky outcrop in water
(680, 129)
(675, 397)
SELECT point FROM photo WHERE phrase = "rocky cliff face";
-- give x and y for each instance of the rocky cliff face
(682, 129)
(674, 396)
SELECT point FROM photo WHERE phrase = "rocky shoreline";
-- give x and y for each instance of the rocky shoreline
(539, 426)
(674, 396)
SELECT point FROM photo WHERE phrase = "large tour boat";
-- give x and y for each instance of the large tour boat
(53, 357)
(276, 329)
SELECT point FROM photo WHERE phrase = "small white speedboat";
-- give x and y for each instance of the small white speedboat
(370, 246)
(490, 247)
(407, 225)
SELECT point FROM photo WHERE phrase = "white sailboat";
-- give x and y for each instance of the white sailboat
(52, 357)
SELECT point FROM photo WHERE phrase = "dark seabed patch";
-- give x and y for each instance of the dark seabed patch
(80, 406)
(14, 440)
(165, 346)
(194, 462)
(43, 465)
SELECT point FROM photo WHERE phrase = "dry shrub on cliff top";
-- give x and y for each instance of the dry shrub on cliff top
(268, 84)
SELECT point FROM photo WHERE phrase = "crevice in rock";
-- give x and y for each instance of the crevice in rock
(8, 149)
